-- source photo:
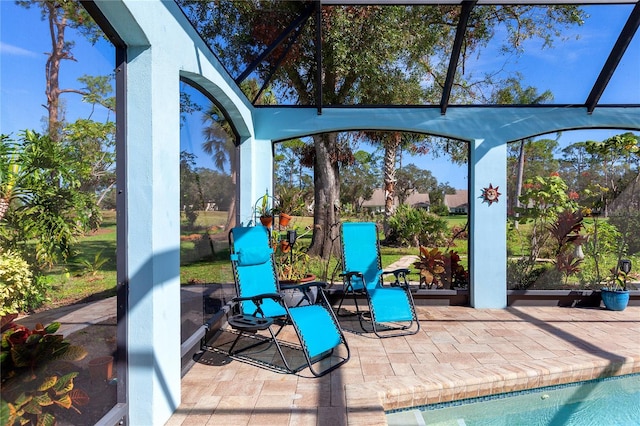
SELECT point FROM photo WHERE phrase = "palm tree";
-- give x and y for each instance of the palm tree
(220, 145)
(219, 138)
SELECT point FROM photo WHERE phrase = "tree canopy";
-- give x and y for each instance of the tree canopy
(382, 53)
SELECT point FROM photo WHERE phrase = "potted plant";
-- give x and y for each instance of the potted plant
(293, 269)
(264, 211)
(290, 202)
(616, 296)
(284, 218)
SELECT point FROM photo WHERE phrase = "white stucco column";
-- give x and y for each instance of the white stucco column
(488, 224)
(255, 177)
(152, 192)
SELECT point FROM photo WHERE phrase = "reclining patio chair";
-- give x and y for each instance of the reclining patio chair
(260, 306)
(391, 307)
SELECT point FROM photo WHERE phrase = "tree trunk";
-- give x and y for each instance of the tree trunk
(59, 51)
(231, 214)
(4, 206)
(390, 151)
(519, 178)
(326, 215)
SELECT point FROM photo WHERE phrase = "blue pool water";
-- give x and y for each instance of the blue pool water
(613, 401)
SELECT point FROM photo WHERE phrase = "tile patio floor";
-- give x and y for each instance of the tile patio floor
(460, 352)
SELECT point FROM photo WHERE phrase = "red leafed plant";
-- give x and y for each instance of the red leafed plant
(30, 387)
(565, 230)
(441, 269)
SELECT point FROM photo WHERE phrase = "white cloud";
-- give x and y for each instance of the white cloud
(8, 49)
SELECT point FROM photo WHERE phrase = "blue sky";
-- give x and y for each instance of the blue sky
(568, 71)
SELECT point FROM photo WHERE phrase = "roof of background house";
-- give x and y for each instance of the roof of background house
(378, 199)
(417, 198)
(459, 199)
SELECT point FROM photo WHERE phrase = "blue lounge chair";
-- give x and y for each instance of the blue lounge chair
(391, 307)
(260, 305)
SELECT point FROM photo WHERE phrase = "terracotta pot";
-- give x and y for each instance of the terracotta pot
(266, 221)
(285, 247)
(101, 369)
(284, 219)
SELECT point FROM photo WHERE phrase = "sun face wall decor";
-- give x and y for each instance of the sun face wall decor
(490, 195)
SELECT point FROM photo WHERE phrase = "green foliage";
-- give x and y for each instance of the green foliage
(292, 262)
(600, 247)
(290, 200)
(544, 198)
(291, 176)
(263, 208)
(16, 280)
(94, 154)
(46, 203)
(520, 275)
(412, 179)
(629, 222)
(192, 199)
(359, 180)
(31, 388)
(439, 209)
(413, 227)
(92, 266)
(20, 290)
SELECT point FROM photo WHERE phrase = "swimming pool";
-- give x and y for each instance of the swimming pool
(603, 402)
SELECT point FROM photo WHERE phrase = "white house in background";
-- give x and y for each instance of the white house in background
(376, 203)
(457, 203)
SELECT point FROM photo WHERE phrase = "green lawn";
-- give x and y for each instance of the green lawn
(91, 274)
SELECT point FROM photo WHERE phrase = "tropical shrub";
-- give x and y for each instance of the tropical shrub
(414, 227)
(20, 290)
(42, 198)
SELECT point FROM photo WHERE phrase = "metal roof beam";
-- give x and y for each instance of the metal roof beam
(480, 2)
(465, 13)
(275, 66)
(277, 42)
(624, 39)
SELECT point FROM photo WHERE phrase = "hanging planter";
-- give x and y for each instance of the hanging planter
(285, 246)
(266, 221)
(284, 219)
